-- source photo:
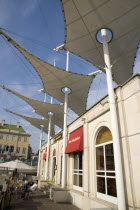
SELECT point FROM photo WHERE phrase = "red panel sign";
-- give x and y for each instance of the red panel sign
(45, 155)
(75, 142)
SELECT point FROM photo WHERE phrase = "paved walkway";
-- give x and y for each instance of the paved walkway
(39, 201)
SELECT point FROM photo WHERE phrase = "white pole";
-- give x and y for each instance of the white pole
(48, 145)
(40, 144)
(41, 135)
(114, 123)
(65, 129)
(54, 62)
(48, 142)
(45, 98)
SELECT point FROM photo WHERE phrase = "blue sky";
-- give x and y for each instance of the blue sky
(38, 25)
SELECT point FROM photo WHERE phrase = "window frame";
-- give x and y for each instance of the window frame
(19, 137)
(103, 196)
(11, 146)
(18, 150)
(13, 138)
(7, 137)
(77, 172)
(24, 150)
(25, 139)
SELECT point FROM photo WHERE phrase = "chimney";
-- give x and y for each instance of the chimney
(2, 123)
(18, 124)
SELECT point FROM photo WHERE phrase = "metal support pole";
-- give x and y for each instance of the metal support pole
(48, 142)
(41, 135)
(114, 123)
(48, 145)
(45, 98)
(65, 129)
(40, 144)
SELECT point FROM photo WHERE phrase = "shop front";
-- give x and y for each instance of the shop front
(75, 148)
(90, 161)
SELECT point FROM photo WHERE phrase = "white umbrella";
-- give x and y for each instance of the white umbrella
(16, 164)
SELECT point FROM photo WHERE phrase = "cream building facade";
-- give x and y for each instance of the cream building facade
(13, 140)
(91, 177)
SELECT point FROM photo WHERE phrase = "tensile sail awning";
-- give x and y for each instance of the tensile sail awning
(55, 79)
(35, 122)
(85, 18)
(42, 108)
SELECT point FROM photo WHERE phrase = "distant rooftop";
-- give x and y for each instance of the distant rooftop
(16, 128)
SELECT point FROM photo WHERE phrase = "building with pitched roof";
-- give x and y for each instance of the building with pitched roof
(14, 141)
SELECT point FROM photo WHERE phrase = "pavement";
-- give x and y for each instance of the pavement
(38, 201)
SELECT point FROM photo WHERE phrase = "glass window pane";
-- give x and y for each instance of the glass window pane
(76, 160)
(110, 174)
(104, 136)
(18, 150)
(110, 166)
(13, 138)
(99, 158)
(11, 148)
(80, 180)
(76, 180)
(19, 138)
(25, 139)
(7, 137)
(100, 173)
(78, 166)
(54, 166)
(111, 187)
(24, 151)
(101, 185)
(54, 152)
(80, 161)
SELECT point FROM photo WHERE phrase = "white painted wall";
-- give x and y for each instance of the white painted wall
(128, 99)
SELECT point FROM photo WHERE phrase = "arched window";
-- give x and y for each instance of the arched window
(105, 166)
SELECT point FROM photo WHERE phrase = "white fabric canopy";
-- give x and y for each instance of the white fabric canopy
(42, 108)
(55, 79)
(83, 20)
(36, 122)
(16, 164)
